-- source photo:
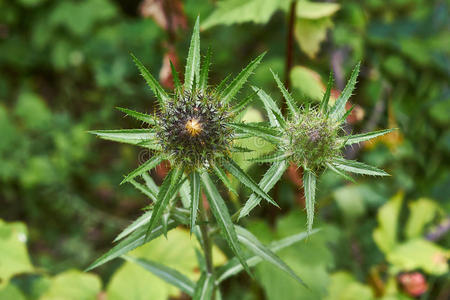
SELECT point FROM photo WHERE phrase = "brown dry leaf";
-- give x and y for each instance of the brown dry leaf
(165, 74)
(168, 14)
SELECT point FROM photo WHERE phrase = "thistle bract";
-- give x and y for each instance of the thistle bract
(312, 138)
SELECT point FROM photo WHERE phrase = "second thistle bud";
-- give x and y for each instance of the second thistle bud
(313, 139)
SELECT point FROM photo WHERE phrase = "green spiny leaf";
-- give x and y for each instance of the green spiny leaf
(145, 167)
(233, 88)
(145, 190)
(176, 78)
(223, 177)
(139, 222)
(272, 175)
(326, 96)
(239, 107)
(291, 104)
(309, 184)
(255, 246)
(157, 89)
(193, 60)
(203, 80)
(338, 109)
(194, 181)
(270, 106)
(273, 157)
(342, 174)
(233, 266)
(240, 174)
(139, 116)
(136, 239)
(222, 216)
(128, 136)
(357, 138)
(205, 287)
(270, 134)
(168, 189)
(358, 167)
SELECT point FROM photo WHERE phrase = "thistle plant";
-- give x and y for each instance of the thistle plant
(194, 128)
(311, 137)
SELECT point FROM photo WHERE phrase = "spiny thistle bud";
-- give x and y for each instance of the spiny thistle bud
(313, 139)
(193, 129)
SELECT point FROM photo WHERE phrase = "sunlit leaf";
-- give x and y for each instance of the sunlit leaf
(270, 107)
(167, 274)
(194, 181)
(357, 138)
(139, 116)
(358, 167)
(291, 104)
(128, 136)
(203, 80)
(338, 109)
(144, 168)
(205, 287)
(269, 134)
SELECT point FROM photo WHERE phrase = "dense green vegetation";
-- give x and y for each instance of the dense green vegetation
(65, 67)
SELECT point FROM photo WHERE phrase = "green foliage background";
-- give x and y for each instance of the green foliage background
(65, 66)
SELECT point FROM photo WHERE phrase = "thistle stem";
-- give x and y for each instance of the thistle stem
(207, 247)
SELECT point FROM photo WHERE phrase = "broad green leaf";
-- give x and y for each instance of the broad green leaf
(419, 254)
(311, 33)
(326, 96)
(385, 235)
(340, 173)
(309, 185)
(138, 115)
(308, 82)
(234, 87)
(357, 138)
(269, 134)
(338, 109)
(128, 136)
(136, 239)
(270, 107)
(272, 175)
(14, 257)
(239, 11)
(167, 274)
(159, 92)
(168, 189)
(131, 281)
(273, 157)
(291, 104)
(257, 248)
(246, 180)
(316, 10)
(223, 177)
(193, 60)
(203, 80)
(222, 216)
(73, 285)
(176, 78)
(233, 266)
(421, 213)
(145, 190)
(204, 287)
(358, 167)
(194, 181)
(144, 168)
(345, 286)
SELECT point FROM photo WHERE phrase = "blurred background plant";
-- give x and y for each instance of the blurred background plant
(65, 65)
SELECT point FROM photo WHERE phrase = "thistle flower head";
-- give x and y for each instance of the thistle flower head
(193, 129)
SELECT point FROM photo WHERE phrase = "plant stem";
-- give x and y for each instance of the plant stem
(207, 247)
(290, 45)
